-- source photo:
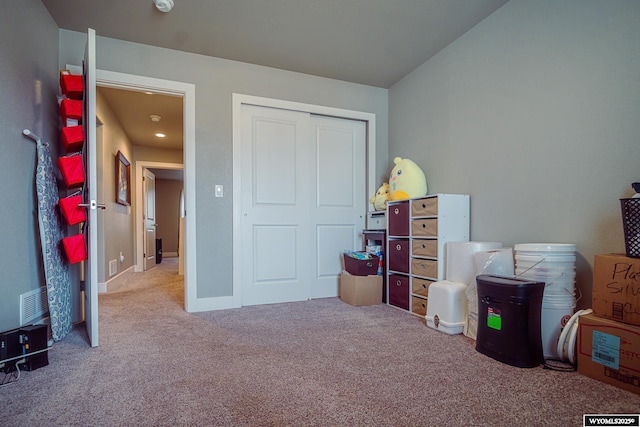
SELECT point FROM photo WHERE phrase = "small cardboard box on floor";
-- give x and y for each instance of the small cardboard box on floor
(360, 290)
(616, 288)
(609, 351)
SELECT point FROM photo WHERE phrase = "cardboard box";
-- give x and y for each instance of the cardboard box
(360, 290)
(609, 351)
(616, 288)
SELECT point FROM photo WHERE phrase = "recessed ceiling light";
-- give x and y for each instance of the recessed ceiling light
(160, 135)
(155, 118)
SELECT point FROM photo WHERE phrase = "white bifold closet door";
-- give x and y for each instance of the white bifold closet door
(303, 202)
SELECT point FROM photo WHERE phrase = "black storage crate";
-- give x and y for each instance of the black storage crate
(631, 226)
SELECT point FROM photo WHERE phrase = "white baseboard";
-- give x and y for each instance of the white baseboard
(115, 282)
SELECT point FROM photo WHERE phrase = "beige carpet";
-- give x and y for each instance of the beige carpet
(311, 363)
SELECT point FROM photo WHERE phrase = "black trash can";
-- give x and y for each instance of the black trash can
(158, 251)
(509, 325)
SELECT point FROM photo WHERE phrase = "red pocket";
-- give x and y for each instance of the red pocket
(75, 247)
(72, 170)
(71, 111)
(72, 213)
(72, 138)
(72, 86)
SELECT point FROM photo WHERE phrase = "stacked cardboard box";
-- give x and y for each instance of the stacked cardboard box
(609, 339)
(359, 283)
(360, 290)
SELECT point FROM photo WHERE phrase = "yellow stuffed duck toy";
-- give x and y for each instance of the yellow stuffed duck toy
(407, 180)
(379, 201)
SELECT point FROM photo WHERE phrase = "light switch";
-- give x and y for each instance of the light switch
(218, 190)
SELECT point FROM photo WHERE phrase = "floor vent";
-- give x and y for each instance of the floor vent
(33, 305)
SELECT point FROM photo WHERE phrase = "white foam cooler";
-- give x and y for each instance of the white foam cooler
(447, 307)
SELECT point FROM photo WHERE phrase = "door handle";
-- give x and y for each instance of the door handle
(93, 205)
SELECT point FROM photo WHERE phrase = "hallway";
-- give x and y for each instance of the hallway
(163, 280)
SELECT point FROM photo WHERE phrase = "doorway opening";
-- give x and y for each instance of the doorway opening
(168, 220)
(185, 93)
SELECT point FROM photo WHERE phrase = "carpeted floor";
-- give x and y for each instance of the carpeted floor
(311, 363)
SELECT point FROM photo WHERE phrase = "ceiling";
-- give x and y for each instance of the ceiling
(134, 109)
(373, 42)
(370, 42)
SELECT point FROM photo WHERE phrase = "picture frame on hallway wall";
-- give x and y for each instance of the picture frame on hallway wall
(123, 180)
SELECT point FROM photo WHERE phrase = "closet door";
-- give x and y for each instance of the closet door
(276, 192)
(303, 202)
(339, 204)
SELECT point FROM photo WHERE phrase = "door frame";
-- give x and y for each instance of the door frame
(141, 165)
(187, 91)
(240, 99)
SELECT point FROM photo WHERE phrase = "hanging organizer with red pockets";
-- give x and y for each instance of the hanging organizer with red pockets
(71, 164)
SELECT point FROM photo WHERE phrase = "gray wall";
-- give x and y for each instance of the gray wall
(150, 154)
(534, 113)
(215, 80)
(116, 221)
(28, 88)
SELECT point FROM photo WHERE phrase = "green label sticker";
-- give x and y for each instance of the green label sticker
(605, 349)
(494, 320)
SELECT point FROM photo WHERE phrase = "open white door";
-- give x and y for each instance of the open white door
(91, 190)
(149, 200)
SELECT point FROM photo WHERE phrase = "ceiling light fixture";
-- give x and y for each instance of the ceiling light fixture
(163, 5)
(155, 118)
(160, 135)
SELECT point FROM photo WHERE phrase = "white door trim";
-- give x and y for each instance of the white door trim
(188, 92)
(238, 100)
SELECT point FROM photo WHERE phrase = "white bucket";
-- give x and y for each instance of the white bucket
(552, 263)
(545, 248)
(556, 312)
(553, 257)
(547, 274)
(550, 292)
(545, 262)
(563, 280)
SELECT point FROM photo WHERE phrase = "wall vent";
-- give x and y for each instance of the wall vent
(113, 267)
(33, 304)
